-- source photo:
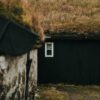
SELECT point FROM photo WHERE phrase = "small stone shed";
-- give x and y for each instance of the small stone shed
(15, 42)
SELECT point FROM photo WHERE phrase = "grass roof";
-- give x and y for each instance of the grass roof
(22, 12)
(79, 16)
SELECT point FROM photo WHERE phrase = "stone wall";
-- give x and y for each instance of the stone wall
(13, 76)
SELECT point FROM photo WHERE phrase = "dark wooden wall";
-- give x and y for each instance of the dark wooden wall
(74, 61)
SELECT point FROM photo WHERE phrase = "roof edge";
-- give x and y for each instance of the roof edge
(71, 35)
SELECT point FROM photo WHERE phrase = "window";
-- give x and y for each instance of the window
(49, 49)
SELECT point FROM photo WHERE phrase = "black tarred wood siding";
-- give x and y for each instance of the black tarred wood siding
(75, 62)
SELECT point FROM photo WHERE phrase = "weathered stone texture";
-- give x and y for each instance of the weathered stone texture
(12, 77)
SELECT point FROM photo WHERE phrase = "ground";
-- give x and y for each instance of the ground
(68, 92)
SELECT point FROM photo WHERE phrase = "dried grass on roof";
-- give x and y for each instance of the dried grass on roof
(21, 11)
(81, 16)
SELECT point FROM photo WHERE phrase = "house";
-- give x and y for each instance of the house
(18, 61)
(70, 58)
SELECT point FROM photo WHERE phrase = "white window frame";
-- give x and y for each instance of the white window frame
(52, 49)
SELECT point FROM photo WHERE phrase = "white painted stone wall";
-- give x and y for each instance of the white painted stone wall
(12, 77)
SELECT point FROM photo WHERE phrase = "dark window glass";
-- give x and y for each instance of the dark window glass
(49, 52)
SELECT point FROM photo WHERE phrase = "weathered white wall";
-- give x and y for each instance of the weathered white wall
(12, 76)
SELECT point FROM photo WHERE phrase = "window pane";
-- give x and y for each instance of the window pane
(49, 52)
(49, 46)
(49, 49)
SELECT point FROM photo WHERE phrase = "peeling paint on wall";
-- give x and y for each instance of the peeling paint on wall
(12, 76)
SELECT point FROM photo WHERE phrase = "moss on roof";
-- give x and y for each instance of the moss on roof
(79, 16)
(22, 12)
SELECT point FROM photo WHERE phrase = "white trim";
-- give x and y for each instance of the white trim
(52, 49)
